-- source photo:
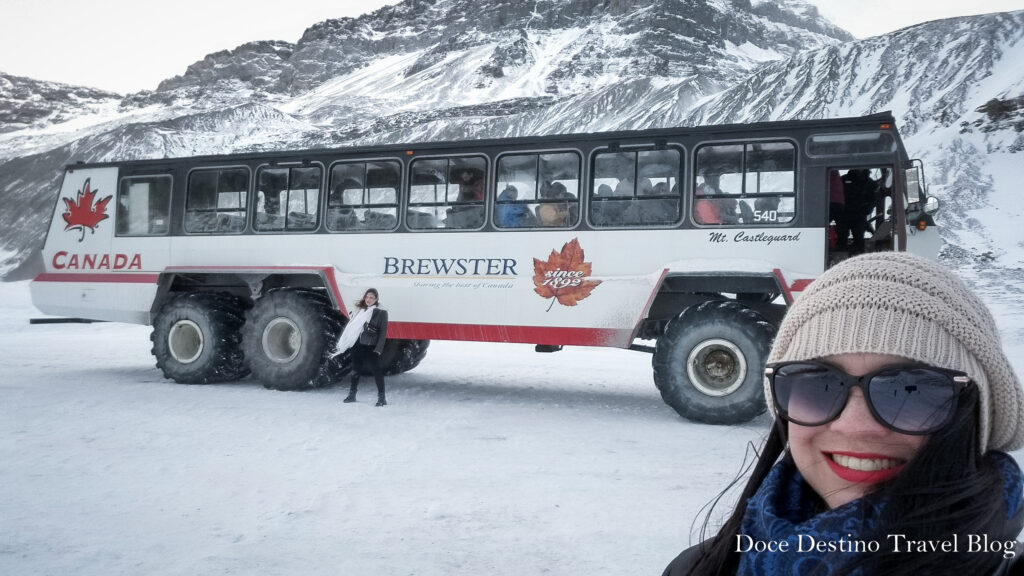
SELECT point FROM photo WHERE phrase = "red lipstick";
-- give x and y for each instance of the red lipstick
(862, 476)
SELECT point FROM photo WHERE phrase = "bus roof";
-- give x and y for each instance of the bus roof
(879, 119)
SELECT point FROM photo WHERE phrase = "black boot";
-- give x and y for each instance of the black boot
(352, 391)
(378, 378)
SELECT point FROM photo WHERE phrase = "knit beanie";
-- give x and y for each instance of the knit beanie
(904, 305)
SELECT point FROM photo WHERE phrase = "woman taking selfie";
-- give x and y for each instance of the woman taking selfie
(893, 404)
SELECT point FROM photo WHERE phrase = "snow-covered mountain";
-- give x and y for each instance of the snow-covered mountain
(443, 69)
(557, 43)
(28, 103)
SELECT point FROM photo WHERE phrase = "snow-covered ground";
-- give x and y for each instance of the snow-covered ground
(490, 459)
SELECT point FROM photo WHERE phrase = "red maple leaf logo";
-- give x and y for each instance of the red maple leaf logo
(82, 213)
(564, 276)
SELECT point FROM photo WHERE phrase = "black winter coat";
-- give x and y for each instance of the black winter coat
(375, 332)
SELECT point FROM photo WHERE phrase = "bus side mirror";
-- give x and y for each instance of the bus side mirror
(931, 205)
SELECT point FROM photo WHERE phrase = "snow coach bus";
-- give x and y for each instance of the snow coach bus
(686, 243)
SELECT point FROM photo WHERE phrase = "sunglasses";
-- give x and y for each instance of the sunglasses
(910, 398)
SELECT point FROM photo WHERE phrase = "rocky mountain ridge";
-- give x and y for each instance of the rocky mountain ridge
(667, 38)
(28, 103)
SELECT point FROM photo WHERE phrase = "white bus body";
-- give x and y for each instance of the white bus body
(107, 257)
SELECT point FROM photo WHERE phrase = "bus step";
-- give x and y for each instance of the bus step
(61, 321)
(547, 347)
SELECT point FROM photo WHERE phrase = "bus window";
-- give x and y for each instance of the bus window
(614, 186)
(657, 189)
(287, 199)
(447, 193)
(215, 201)
(745, 184)
(143, 206)
(770, 171)
(635, 188)
(852, 143)
(538, 190)
(914, 184)
(364, 196)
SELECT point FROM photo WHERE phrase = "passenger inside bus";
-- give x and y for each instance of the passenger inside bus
(719, 210)
(653, 205)
(625, 187)
(558, 207)
(646, 188)
(270, 216)
(603, 210)
(341, 216)
(470, 214)
(859, 197)
(707, 210)
(631, 215)
(510, 213)
(746, 214)
(471, 186)
(616, 211)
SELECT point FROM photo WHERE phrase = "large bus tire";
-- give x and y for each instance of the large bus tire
(197, 338)
(402, 355)
(709, 363)
(288, 337)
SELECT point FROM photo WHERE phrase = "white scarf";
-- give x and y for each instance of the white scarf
(353, 329)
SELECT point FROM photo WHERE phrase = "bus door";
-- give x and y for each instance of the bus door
(142, 222)
(861, 211)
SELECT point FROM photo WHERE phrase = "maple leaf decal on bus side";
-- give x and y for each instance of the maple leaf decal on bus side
(82, 213)
(564, 276)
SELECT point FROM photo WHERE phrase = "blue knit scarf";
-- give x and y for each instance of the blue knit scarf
(785, 513)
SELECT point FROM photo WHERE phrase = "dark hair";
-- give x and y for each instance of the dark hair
(717, 555)
(361, 303)
(947, 488)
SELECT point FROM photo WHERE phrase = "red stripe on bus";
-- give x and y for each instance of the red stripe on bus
(788, 289)
(215, 268)
(332, 285)
(786, 294)
(521, 334)
(108, 278)
(800, 285)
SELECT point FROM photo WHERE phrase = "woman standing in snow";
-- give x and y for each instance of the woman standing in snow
(365, 334)
(893, 401)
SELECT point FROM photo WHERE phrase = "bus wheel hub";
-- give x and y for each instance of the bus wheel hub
(282, 340)
(716, 367)
(185, 341)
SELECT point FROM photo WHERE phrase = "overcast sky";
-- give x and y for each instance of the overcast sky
(130, 45)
